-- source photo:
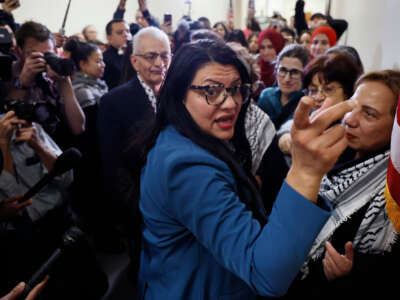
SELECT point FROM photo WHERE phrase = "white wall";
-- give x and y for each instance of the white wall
(373, 30)
(99, 12)
(374, 25)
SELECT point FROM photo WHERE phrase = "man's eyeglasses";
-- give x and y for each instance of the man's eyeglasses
(293, 73)
(325, 91)
(152, 56)
(217, 94)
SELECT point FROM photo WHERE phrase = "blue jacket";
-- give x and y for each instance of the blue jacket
(200, 241)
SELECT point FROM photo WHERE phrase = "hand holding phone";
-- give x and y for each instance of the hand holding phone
(167, 19)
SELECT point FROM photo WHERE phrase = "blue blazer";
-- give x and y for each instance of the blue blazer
(200, 241)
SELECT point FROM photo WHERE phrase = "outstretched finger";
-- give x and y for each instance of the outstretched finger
(37, 289)
(16, 291)
(328, 102)
(349, 250)
(301, 115)
(331, 136)
(328, 116)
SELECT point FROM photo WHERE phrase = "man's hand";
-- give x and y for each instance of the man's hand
(8, 123)
(11, 208)
(10, 5)
(17, 291)
(29, 135)
(60, 39)
(335, 264)
(34, 64)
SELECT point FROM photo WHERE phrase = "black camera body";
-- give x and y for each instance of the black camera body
(62, 66)
(23, 110)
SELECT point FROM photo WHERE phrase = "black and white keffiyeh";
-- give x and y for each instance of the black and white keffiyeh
(348, 191)
(260, 132)
(150, 93)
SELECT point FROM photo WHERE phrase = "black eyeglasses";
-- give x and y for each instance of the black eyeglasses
(293, 73)
(152, 56)
(217, 94)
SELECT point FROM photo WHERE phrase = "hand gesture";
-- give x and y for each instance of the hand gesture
(34, 64)
(8, 123)
(29, 135)
(122, 4)
(10, 5)
(315, 146)
(335, 264)
(11, 208)
(17, 291)
(60, 39)
(142, 5)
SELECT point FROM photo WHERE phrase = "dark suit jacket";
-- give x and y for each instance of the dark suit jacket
(113, 69)
(122, 111)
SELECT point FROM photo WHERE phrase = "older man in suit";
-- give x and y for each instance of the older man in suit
(123, 109)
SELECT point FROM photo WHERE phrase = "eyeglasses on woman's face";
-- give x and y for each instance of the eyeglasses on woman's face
(293, 73)
(217, 94)
(325, 91)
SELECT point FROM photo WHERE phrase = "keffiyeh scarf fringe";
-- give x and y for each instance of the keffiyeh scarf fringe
(348, 191)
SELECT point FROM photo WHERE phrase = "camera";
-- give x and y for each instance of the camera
(23, 110)
(62, 66)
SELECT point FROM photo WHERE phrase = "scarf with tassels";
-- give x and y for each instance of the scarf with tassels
(348, 191)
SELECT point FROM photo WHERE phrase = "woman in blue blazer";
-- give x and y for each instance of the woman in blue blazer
(201, 229)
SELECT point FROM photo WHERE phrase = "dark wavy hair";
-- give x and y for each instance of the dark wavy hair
(172, 111)
(333, 67)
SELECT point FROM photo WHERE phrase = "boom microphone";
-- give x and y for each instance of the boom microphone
(65, 162)
(71, 236)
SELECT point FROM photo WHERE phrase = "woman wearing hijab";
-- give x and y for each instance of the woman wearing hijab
(322, 39)
(270, 43)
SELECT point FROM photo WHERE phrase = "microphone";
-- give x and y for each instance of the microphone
(62, 29)
(65, 162)
(71, 236)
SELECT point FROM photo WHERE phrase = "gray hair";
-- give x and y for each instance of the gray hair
(149, 31)
(294, 51)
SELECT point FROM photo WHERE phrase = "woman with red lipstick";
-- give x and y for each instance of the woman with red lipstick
(201, 229)
(358, 247)
(281, 101)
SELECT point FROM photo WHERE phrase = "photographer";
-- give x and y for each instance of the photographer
(34, 80)
(28, 154)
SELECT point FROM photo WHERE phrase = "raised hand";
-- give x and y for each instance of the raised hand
(34, 64)
(8, 123)
(315, 145)
(10, 5)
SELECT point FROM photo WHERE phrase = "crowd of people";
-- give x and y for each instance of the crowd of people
(230, 163)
